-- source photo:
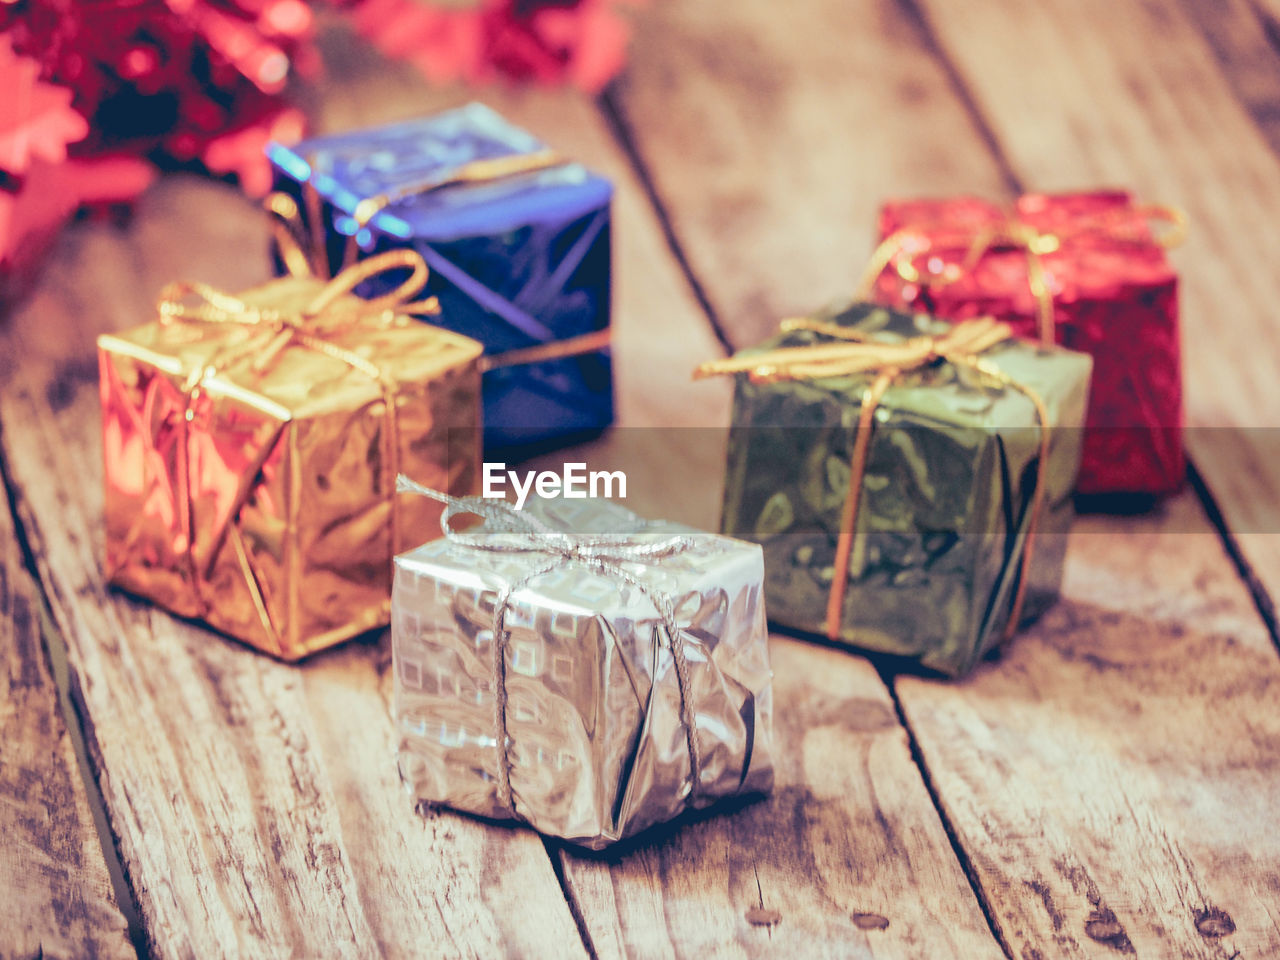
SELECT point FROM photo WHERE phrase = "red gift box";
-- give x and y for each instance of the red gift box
(1082, 269)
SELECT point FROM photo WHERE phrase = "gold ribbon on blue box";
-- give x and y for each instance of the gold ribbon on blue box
(517, 237)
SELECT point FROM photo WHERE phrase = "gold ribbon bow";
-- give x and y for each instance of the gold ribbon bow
(854, 353)
(314, 323)
(329, 314)
(916, 240)
(302, 245)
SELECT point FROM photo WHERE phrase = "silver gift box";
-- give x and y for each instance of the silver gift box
(596, 724)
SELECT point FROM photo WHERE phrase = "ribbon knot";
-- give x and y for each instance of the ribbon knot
(901, 249)
(330, 313)
(303, 252)
(507, 530)
(311, 326)
(854, 353)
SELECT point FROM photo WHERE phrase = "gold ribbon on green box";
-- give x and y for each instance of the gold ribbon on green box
(851, 352)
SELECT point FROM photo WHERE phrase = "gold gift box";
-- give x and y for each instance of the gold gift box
(251, 449)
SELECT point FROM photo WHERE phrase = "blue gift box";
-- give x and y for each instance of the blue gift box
(517, 262)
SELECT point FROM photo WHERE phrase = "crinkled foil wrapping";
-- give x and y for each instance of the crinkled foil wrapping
(267, 509)
(598, 748)
(944, 508)
(516, 263)
(1113, 299)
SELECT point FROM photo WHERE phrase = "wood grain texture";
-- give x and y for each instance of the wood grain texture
(55, 893)
(1072, 102)
(1245, 39)
(851, 836)
(256, 805)
(772, 137)
(1085, 773)
(1114, 777)
(846, 859)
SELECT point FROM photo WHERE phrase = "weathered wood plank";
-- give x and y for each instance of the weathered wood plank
(1020, 755)
(772, 137)
(818, 857)
(1245, 38)
(54, 884)
(1114, 777)
(227, 865)
(1070, 102)
(850, 842)
(814, 853)
(1173, 674)
(846, 859)
(257, 805)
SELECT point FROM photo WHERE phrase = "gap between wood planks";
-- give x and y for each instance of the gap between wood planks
(554, 848)
(953, 835)
(1242, 59)
(622, 130)
(1262, 602)
(638, 163)
(55, 651)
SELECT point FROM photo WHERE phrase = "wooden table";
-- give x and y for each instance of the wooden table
(1110, 786)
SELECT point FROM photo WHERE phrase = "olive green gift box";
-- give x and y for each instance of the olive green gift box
(946, 496)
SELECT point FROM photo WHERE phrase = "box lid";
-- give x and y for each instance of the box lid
(300, 381)
(349, 167)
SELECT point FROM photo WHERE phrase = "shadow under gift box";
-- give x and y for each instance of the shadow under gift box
(516, 262)
(263, 502)
(945, 502)
(597, 743)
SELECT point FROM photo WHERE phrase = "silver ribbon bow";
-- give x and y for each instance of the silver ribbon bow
(508, 530)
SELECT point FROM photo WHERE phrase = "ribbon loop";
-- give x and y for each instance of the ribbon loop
(508, 530)
(901, 248)
(485, 170)
(498, 515)
(286, 229)
(399, 299)
(855, 352)
(312, 325)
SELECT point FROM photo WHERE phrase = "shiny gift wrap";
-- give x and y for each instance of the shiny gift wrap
(260, 497)
(604, 708)
(519, 262)
(1112, 294)
(946, 495)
